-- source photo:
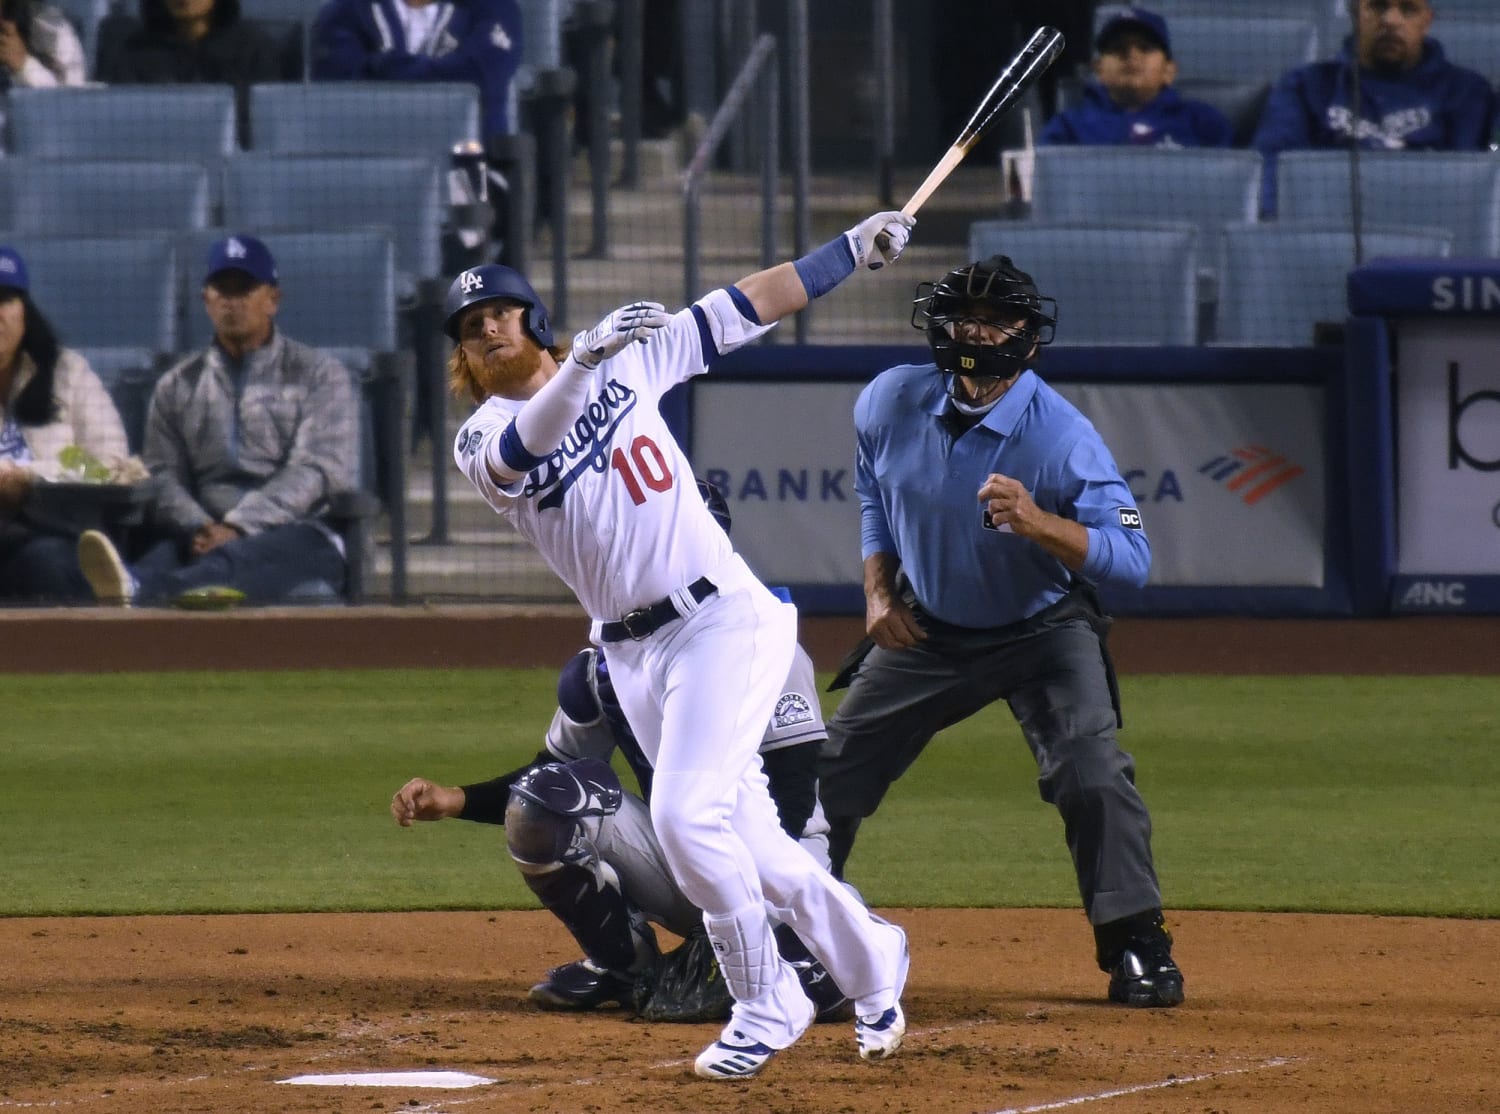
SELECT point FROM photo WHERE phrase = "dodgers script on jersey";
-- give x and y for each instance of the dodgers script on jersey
(615, 511)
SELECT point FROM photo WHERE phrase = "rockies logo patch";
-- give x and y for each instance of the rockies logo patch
(792, 709)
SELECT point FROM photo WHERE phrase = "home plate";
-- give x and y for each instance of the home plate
(447, 1080)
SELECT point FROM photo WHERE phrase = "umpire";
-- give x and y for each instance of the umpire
(990, 507)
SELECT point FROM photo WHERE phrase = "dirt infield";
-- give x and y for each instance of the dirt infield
(1284, 1013)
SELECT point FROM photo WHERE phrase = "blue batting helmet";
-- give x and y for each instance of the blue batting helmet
(713, 499)
(490, 281)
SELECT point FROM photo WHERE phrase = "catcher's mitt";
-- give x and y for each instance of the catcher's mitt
(684, 985)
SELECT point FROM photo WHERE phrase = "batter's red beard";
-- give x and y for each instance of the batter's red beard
(504, 372)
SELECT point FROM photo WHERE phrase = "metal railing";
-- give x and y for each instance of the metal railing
(760, 63)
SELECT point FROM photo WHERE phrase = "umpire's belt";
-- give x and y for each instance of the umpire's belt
(646, 621)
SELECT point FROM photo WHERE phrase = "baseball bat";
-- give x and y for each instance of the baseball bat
(1019, 75)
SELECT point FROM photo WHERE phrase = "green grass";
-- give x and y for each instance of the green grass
(268, 791)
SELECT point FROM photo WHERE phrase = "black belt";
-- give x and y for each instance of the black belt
(646, 621)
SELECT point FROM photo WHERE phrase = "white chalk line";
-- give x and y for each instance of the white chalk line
(1161, 1085)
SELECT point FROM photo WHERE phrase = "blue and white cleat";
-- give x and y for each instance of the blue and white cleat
(880, 1037)
(722, 1060)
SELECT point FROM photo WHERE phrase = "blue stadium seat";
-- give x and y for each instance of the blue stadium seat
(1245, 46)
(153, 122)
(272, 193)
(364, 118)
(1117, 285)
(130, 375)
(115, 292)
(1456, 190)
(56, 197)
(1472, 41)
(1110, 185)
(1281, 280)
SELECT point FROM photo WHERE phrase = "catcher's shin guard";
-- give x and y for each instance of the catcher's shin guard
(608, 929)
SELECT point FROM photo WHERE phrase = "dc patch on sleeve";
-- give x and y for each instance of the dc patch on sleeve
(1130, 518)
(792, 709)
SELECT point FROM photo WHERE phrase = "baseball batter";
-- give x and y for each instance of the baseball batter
(569, 445)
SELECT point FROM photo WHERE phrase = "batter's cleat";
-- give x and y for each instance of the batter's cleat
(880, 1037)
(100, 563)
(1145, 975)
(738, 1060)
(582, 985)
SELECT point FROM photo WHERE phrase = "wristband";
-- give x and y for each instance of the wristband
(824, 268)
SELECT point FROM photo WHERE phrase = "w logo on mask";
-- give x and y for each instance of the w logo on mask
(966, 362)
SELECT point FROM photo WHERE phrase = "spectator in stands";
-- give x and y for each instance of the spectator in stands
(38, 47)
(50, 399)
(478, 41)
(246, 442)
(189, 42)
(1390, 89)
(1131, 101)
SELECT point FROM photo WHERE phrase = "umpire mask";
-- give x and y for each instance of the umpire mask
(992, 292)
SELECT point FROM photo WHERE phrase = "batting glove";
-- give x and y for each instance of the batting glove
(637, 321)
(878, 240)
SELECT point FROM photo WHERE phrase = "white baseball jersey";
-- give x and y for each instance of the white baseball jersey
(615, 511)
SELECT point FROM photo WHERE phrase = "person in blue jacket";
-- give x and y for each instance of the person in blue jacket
(478, 41)
(1410, 97)
(990, 507)
(1131, 101)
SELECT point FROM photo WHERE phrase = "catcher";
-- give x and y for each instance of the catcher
(586, 848)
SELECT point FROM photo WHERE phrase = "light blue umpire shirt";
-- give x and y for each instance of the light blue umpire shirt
(918, 486)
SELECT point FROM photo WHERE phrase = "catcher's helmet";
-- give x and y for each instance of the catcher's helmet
(994, 291)
(713, 499)
(495, 280)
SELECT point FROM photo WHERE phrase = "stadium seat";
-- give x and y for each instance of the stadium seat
(1472, 41)
(273, 193)
(56, 197)
(148, 122)
(115, 292)
(1280, 281)
(364, 118)
(1459, 191)
(1241, 102)
(1116, 285)
(1109, 185)
(1243, 47)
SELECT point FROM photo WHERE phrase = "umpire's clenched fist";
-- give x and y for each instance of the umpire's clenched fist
(1010, 505)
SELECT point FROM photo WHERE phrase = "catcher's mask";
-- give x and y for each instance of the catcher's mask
(993, 292)
(492, 281)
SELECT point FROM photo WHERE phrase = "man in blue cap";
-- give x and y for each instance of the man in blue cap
(1131, 101)
(246, 440)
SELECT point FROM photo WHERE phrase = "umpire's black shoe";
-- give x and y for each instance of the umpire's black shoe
(1137, 953)
(583, 986)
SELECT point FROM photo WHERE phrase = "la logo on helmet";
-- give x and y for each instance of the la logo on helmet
(470, 281)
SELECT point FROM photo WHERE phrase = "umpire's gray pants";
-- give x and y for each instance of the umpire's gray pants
(1059, 688)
